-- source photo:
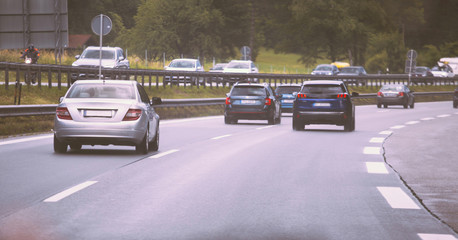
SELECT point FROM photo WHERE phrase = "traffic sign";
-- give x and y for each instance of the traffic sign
(411, 54)
(103, 28)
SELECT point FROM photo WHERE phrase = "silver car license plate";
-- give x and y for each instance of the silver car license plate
(97, 113)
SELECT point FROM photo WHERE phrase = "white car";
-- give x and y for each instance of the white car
(183, 65)
(241, 66)
(443, 71)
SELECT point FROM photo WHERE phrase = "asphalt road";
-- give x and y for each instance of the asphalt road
(247, 181)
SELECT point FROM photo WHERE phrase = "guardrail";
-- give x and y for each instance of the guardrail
(59, 75)
(50, 109)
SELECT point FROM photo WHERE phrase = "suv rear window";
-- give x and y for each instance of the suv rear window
(248, 91)
(323, 89)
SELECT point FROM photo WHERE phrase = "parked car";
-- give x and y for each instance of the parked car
(358, 71)
(325, 69)
(455, 98)
(112, 57)
(241, 66)
(442, 71)
(285, 92)
(183, 65)
(252, 101)
(395, 94)
(103, 112)
(324, 102)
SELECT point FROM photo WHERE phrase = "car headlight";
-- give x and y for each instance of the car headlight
(75, 64)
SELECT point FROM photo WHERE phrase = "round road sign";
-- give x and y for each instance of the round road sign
(105, 27)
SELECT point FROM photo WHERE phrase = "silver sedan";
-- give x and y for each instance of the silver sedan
(104, 112)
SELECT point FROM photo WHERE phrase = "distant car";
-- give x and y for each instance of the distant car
(395, 94)
(219, 67)
(112, 57)
(455, 98)
(353, 71)
(285, 92)
(103, 112)
(241, 66)
(324, 102)
(325, 69)
(183, 65)
(420, 74)
(442, 71)
(252, 101)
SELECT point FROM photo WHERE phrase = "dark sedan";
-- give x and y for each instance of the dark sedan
(395, 95)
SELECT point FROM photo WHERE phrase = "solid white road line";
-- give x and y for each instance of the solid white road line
(376, 168)
(25, 140)
(397, 198)
(377, 140)
(385, 132)
(397, 127)
(371, 150)
(216, 138)
(164, 153)
(427, 236)
(69, 191)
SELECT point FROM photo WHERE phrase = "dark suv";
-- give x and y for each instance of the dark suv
(252, 102)
(324, 102)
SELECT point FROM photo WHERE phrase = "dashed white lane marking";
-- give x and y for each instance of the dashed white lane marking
(260, 128)
(376, 168)
(385, 132)
(427, 236)
(397, 198)
(25, 139)
(165, 122)
(223, 136)
(412, 122)
(427, 119)
(69, 191)
(377, 140)
(397, 127)
(164, 153)
(371, 150)
(444, 116)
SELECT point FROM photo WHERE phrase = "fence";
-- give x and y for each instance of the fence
(59, 76)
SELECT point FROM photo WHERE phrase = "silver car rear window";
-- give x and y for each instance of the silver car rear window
(102, 91)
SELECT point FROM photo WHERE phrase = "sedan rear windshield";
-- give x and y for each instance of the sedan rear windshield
(102, 91)
(248, 91)
(392, 88)
(323, 89)
(182, 64)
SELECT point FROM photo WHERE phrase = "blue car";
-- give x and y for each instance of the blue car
(286, 95)
(324, 102)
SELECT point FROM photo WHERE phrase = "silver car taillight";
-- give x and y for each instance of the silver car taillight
(132, 115)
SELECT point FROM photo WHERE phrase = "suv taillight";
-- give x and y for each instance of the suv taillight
(401, 94)
(343, 95)
(380, 94)
(228, 101)
(63, 113)
(132, 115)
(301, 95)
(268, 101)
